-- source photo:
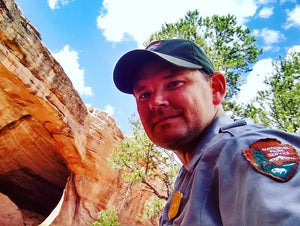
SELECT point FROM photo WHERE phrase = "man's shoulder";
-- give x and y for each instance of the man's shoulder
(243, 134)
(271, 152)
(241, 126)
(245, 129)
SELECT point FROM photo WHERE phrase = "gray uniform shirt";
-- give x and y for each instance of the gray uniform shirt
(220, 187)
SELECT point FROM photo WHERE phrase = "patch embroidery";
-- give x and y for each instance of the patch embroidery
(270, 157)
(175, 204)
(154, 45)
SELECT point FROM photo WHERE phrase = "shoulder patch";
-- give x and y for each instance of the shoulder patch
(270, 157)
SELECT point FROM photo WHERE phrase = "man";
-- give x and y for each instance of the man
(234, 173)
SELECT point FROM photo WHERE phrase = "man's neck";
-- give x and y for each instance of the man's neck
(184, 157)
(185, 154)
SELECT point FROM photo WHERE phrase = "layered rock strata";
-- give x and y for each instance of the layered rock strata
(50, 143)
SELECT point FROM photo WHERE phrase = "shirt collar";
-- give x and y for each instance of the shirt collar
(209, 133)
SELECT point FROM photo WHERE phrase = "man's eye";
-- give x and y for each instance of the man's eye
(174, 84)
(144, 95)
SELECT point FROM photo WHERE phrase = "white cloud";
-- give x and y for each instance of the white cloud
(69, 61)
(269, 36)
(271, 48)
(266, 12)
(265, 2)
(293, 18)
(141, 18)
(255, 81)
(54, 4)
(109, 109)
(292, 51)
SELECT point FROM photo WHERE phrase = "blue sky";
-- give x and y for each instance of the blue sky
(88, 37)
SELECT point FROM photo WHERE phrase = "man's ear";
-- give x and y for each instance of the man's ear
(218, 85)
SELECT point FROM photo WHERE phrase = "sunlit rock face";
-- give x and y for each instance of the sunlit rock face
(51, 144)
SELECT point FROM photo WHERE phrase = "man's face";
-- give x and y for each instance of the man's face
(175, 105)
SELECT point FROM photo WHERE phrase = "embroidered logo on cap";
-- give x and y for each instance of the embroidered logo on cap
(154, 45)
(270, 157)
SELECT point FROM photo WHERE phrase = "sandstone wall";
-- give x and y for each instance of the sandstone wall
(50, 142)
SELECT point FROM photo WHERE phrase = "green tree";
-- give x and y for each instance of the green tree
(152, 210)
(230, 47)
(108, 217)
(141, 161)
(278, 106)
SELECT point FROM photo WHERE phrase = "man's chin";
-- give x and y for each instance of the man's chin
(170, 142)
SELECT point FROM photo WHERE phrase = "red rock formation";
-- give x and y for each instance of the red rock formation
(10, 214)
(50, 142)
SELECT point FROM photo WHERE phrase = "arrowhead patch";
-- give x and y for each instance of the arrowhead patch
(270, 157)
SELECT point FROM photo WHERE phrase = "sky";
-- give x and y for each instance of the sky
(88, 37)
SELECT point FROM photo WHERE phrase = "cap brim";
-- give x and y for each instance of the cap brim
(127, 68)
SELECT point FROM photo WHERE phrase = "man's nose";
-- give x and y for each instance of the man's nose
(158, 100)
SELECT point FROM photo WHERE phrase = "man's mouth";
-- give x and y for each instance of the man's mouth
(163, 119)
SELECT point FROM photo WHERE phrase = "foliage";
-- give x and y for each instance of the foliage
(230, 47)
(107, 217)
(152, 209)
(278, 107)
(140, 160)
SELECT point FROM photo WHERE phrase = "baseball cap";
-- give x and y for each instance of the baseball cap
(179, 52)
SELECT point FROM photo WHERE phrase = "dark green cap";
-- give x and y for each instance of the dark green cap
(180, 52)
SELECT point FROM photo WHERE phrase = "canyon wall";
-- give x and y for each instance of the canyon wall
(51, 144)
